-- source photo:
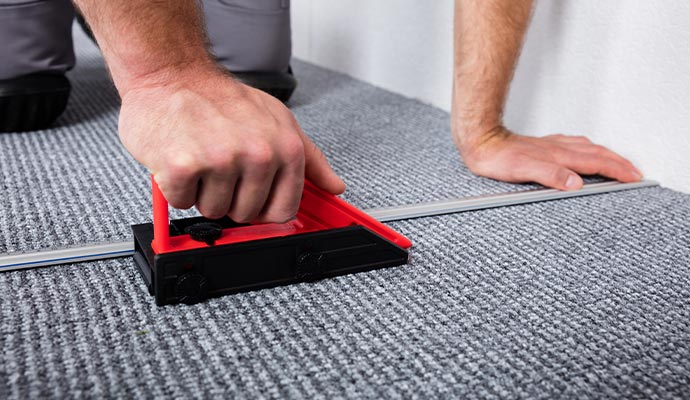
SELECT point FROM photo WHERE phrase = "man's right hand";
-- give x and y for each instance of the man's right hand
(225, 147)
(208, 140)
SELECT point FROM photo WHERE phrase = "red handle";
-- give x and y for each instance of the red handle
(161, 222)
(318, 211)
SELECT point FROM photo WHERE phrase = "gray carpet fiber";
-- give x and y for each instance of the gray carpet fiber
(76, 181)
(578, 298)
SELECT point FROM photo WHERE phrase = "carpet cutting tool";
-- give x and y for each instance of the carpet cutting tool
(191, 259)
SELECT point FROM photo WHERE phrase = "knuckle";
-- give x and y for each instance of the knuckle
(261, 155)
(180, 167)
(291, 211)
(181, 203)
(284, 213)
(278, 217)
(210, 212)
(242, 217)
(600, 150)
(220, 160)
(293, 148)
(558, 153)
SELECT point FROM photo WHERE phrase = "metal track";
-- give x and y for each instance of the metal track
(498, 200)
(100, 251)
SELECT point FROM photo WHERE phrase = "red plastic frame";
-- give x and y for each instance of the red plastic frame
(318, 211)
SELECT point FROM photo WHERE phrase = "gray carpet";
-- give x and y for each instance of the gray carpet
(578, 298)
(76, 182)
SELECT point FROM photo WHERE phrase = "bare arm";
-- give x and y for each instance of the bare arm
(148, 40)
(209, 140)
(488, 38)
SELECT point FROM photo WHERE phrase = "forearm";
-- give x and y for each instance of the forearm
(147, 40)
(488, 37)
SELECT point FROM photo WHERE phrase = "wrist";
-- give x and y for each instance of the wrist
(473, 117)
(472, 132)
(472, 143)
(173, 75)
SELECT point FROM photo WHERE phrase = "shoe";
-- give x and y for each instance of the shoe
(280, 85)
(32, 102)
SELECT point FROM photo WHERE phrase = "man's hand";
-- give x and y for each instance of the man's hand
(488, 37)
(554, 161)
(225, 147)
(209, 140)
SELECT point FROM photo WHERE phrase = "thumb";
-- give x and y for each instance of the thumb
(549, 174)
(318, 171)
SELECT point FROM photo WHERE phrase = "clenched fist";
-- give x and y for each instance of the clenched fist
(226, 148)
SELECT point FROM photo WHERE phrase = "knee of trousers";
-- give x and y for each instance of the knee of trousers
(249, 35)
(36, 37)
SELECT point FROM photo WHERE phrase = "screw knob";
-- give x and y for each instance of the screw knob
(207, 232)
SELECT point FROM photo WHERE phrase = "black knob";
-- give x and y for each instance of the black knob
(191, 288)
(207, 232)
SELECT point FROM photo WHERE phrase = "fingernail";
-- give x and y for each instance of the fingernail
(637, 174)
(571, 183)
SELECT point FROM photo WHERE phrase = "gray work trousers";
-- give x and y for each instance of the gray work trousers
(245, 35)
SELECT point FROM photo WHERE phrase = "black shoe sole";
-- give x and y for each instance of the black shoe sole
(32, 102)
(280, 85)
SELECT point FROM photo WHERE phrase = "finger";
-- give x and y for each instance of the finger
(283, 201)
(592, 164)
(317, 169)
(550, 174)
(605, 152)
(286, 193)
(179, 187)
(251, 192)
(215, 195)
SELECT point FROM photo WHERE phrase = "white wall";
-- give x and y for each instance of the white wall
(617, 71)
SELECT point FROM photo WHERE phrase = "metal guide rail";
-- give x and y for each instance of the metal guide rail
(100, 251)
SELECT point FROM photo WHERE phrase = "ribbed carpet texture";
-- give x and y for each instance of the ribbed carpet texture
(578, 298)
